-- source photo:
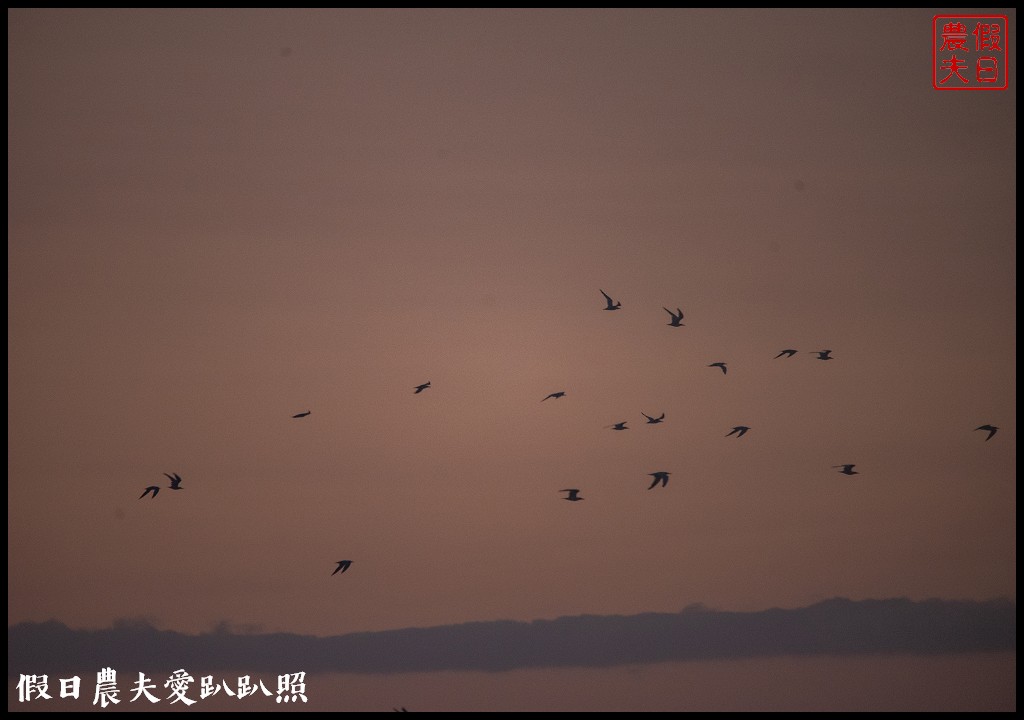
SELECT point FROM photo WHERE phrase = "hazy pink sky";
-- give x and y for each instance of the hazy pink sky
(220, 218)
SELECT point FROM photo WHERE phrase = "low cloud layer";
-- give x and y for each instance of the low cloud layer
(832, 627)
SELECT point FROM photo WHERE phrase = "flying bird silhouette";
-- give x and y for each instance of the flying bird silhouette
(991, 430)
(302, 414)
(152, 488)
(823, 354)
(741, 429)
(343, 565)
(677, 320)
(574, 494)
(652, 420)
(421, 388)
(719, 365)
(787, 353)
(554, 395)
(847, 469)
(611, 304)
(619, 426)
(175, 481)
(659, 477)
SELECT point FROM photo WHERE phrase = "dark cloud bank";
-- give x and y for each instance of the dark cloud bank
(832, 627)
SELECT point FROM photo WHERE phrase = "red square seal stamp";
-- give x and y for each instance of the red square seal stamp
(969, 52)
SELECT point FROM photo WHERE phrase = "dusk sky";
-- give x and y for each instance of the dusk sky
(218, 219)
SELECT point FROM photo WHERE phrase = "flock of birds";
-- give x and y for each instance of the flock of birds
(660, 477)
(175, 485)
